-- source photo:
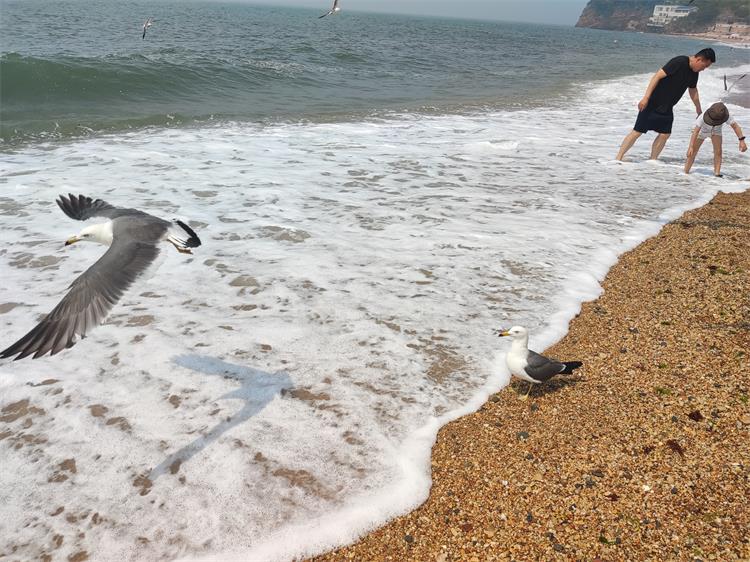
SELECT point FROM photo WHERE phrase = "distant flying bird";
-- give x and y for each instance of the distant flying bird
(146, 25)
(529, 365)
(135, 241)
(333, 10)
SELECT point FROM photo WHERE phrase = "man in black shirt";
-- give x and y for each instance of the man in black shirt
(663, 92)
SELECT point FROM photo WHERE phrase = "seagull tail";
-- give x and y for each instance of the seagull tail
(570, 366)
(178, 238)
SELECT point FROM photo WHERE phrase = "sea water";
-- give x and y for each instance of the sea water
(376, 196)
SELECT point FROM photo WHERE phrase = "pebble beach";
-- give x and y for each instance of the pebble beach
(645, 455)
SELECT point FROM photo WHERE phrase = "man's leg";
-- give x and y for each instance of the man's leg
(692, 153)
(627, 143)
(716, 141)
(658, 146)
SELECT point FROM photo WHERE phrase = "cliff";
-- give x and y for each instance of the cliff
(617, 14)
(633, 15)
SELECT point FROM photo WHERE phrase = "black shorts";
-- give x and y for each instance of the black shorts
(652, 120)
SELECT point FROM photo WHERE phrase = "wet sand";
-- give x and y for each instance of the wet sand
(645, 455)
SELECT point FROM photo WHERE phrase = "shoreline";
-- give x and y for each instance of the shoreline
(644, 455)
(741, 42)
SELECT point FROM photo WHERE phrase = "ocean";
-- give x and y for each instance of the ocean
(377, 195)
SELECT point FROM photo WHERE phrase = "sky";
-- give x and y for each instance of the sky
(562, 12)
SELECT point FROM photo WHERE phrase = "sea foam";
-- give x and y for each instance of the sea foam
(277, 394)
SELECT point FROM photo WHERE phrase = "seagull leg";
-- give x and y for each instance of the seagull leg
(526, 396)
(180, 249)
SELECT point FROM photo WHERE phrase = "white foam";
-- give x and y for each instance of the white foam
(373, 260)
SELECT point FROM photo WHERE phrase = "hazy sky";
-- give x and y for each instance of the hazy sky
(563, 12)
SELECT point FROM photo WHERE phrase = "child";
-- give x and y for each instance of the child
(709, 125)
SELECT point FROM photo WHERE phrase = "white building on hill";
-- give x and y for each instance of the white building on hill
(666, 13)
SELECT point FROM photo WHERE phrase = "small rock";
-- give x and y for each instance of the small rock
(409, 539)
(522, 435)
(558, 547)
(745, 419)
(696, 416)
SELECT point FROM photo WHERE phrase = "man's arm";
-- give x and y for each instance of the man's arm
(650, 88)
(693, 92)
(738, 132)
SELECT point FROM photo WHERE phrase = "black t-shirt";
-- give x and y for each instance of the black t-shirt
(669, 90)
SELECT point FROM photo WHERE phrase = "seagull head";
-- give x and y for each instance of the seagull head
(99, 233)
(516, 332)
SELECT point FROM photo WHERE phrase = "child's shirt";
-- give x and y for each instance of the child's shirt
(707, 130)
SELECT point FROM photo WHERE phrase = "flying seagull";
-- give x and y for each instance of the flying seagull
(134, 239)
(334, 9)
(729, 89)
(146, 24)
(529, 365)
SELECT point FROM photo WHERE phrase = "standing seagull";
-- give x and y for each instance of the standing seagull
(146, 24)
(529, 365)
(134, 239)
(333, 10)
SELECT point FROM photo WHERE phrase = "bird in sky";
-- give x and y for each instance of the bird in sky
(334, 9)
(529, 365)
(146, 24)
(135, 241)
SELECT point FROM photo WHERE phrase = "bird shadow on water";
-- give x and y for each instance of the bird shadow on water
(257, 389)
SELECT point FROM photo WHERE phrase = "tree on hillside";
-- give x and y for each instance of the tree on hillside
(709, 13)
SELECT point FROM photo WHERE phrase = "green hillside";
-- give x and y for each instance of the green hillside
(711, 12)
(634, 15)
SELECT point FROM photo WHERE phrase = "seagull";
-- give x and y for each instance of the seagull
(146, 25)
(134, 239)
(529, 365)
(729, 89)
(333, 10)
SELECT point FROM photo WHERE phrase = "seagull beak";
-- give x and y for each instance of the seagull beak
(72, 240)
(502, 333)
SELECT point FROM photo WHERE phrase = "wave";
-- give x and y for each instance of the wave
(75, 79)
(65, 95)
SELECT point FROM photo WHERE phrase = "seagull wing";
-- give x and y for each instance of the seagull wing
(540, 368)
(733, 83)
(93, 294)
(81, 208)
(326, 14)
